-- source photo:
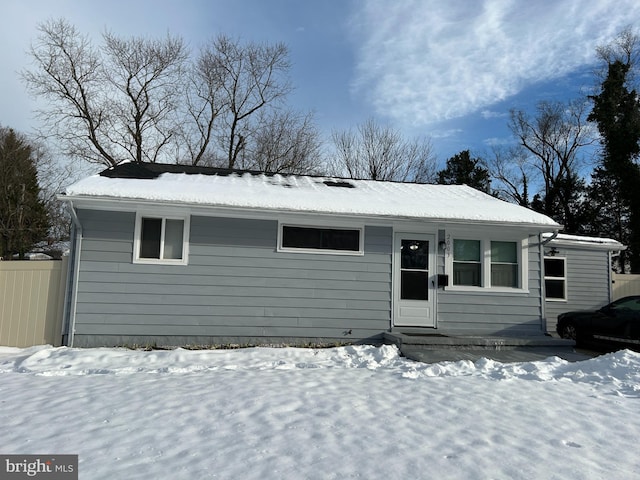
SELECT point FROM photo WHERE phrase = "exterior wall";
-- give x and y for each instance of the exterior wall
(588, 282)
(31, 301)
(625, 284)
(235, 289)
(495, 313)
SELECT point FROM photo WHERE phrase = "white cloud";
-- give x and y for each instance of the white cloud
(422, 61)
(488, 114)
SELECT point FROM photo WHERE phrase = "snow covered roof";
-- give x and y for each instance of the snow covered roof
(592, 242)
(179, 184)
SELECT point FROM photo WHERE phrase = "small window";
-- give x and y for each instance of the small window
(340, 240)
(160, 239)
(504, 264)
(555, 278)
(467, 266)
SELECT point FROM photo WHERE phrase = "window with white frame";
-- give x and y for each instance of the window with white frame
(467, 266)
(486, 263)
(161, 239)
(555, 278)
(321, 239)
(504, 264)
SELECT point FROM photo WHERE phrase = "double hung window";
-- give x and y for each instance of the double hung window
(555, 278)
(504, 264)
(467, 266)
(486, 263)
(161, 240)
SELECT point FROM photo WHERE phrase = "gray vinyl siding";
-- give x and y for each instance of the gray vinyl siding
(236, 287)
(492, 312)
(588, 282)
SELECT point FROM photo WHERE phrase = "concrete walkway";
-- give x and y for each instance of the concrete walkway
(445, 348)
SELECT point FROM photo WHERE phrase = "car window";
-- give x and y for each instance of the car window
(632, 304)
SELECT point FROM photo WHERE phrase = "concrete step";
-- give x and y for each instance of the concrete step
(433, 348)
(472, 342)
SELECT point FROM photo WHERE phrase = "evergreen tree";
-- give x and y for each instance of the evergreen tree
(23, 216)
(462, 169)
(606, 213)
(616, 111)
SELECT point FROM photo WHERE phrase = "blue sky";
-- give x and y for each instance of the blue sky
(449, 70)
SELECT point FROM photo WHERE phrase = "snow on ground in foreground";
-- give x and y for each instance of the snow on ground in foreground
(349, 412)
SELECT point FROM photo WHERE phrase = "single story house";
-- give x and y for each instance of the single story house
(577, 274)
(181, 255)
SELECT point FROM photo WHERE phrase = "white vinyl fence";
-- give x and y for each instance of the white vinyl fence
(625, 285)
(31, 302)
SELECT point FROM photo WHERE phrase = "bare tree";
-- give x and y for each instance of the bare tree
(145, 99)
(510, 169)
(381, 153)
(106, 105)
(253, 76)
(285, 142)
(553, 139)
(205, 100)
(145, 73)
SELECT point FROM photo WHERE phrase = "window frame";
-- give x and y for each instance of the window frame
(564, 279)
(517, 264)
(480, 262)
(321, 251)
(522, 245)
(137, 239)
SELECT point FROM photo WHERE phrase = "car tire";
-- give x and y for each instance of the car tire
(569, 332)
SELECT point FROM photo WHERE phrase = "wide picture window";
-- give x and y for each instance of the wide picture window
(321, 239)
(161, 239)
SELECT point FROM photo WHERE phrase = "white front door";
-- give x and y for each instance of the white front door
(414, 280)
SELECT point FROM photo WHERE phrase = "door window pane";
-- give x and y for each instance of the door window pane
(415, 254)
(414, 285)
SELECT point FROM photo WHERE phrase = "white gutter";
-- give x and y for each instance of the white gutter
(133, 204)
(552, 237)
(71, 290)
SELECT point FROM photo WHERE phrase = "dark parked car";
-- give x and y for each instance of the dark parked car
(614, 325)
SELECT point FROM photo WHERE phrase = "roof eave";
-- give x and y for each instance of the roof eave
(129, 204)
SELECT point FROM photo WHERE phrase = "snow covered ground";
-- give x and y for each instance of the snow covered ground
(349, 412)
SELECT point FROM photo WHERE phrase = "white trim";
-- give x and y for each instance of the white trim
(485, 239)
(96, 202)
(185, 218)
(421, 234)
(337, 225)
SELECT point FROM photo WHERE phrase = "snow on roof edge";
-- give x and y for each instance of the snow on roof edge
(313, 195)
(594, 242)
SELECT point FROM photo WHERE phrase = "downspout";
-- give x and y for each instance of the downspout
(543, 293)
(71, 290)
(610, 275)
